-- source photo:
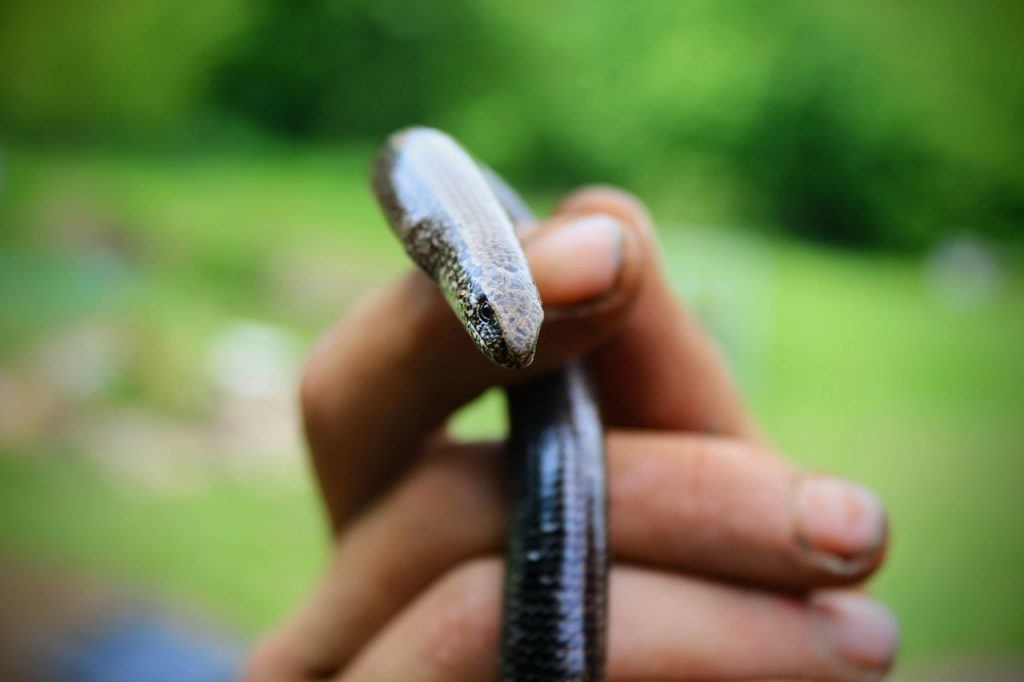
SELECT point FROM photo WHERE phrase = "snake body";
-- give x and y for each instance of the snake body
(455, 219)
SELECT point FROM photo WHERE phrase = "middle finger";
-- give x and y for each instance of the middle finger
(700, 504)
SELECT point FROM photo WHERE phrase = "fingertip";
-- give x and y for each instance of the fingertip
(613, 201)
(839, 517)
(583, 262)
(589, 271)
(859, 631)
(840, 527)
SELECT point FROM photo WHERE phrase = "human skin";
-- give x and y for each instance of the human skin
(729, 561)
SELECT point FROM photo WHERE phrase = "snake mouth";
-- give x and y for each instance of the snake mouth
(519, 325)
(519, 360)
(518, 346)
(504, 355)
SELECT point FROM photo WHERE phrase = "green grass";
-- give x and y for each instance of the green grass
(873, 379)
(849, 360)
(237, 552)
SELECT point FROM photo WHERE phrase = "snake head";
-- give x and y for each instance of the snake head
(450, 221)
(503, 316)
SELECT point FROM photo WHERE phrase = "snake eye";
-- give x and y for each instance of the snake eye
(485, 312)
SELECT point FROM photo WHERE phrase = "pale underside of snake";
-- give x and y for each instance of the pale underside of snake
(456, 219)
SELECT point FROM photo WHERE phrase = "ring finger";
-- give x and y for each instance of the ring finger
(663, 627)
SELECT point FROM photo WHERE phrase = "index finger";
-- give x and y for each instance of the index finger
(660, 369)
(387, 377)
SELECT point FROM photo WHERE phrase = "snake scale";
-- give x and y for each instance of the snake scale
(455, 219)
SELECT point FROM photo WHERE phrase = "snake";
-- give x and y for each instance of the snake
(456, 219)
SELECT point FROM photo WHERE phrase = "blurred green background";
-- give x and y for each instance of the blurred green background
(839, 188)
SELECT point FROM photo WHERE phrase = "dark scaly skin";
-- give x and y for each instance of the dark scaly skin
(556, 568)
(455, 220)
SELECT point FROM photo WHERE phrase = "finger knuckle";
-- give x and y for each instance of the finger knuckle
(464, 476)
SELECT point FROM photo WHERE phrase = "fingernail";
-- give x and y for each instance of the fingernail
(839, 518)
(576, 261)
(860, 631)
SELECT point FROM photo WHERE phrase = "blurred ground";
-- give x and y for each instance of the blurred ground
(154, 311)
(60, 625)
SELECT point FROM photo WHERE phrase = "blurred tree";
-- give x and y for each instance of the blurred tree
(354, 68)
(871, 123)
(121, 68)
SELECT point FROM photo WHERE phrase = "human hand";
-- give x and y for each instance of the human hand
(728, 561)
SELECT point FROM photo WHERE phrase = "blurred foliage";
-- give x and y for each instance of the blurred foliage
(125, 69)
(861, 123)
